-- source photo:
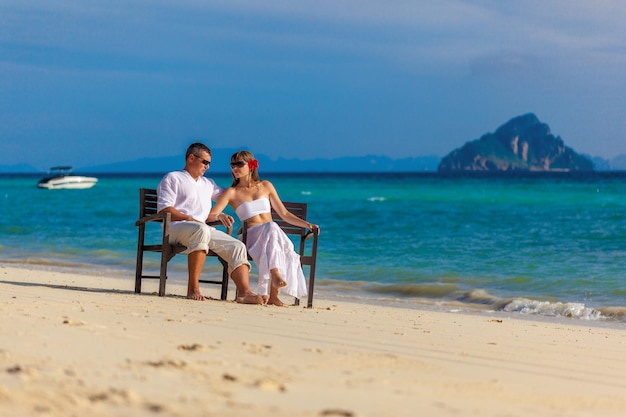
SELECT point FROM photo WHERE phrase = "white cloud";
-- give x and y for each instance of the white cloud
(417, 36)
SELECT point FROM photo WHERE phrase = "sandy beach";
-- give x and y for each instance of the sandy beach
(82, 345)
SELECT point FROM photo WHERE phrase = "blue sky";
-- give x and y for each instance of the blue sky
(93, 82)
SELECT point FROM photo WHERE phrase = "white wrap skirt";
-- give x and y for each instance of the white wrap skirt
(271, 248)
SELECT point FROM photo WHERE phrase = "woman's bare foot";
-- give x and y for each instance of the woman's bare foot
(278, 282)
(196, 296)
(250, 298)
(277, 279)
(275, 301)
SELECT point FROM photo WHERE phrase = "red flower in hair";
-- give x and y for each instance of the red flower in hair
(253, 164)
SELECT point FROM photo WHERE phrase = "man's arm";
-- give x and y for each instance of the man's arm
(167, 197)
(177, 215)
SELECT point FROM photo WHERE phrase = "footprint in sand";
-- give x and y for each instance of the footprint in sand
(257, 349)
(337, 412)
(70, 322)
(192, 347)
(229, 377)
(22, 370)
(268, 385)
(117, 396)
(167, 363)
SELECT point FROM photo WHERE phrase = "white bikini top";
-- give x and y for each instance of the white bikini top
(252, 208)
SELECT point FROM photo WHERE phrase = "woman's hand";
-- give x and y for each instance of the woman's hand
(226, 220)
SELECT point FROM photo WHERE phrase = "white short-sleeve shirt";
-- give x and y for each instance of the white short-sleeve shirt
(193, 197)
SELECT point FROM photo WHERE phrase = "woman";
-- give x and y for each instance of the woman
(270, 248)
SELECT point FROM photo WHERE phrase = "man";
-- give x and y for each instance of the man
(187, 196)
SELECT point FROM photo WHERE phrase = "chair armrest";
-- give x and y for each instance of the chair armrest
(158, 217)
(229, 230)
(311, 233)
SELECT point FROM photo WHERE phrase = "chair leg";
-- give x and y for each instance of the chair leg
(139, 266)
(162, 276)
(224, 294)
(165, 257)
(167, 252)
(309, 303)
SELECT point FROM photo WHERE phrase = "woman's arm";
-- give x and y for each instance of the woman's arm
(216, 211)
(285, 214)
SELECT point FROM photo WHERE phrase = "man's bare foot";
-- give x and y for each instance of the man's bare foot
(250, 299)
(196, 296)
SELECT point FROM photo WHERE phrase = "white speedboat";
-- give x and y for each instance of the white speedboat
(62, 177)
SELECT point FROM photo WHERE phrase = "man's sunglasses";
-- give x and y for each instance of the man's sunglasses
(238, 164)
(204, 161)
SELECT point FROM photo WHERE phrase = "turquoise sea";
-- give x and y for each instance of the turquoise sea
(542, 245)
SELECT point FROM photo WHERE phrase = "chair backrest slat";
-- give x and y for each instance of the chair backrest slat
(298, 209)
(148, 203)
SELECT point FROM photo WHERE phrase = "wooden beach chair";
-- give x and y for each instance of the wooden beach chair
(148, 214)
(305, 245)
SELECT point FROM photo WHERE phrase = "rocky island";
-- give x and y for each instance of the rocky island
(521, 144)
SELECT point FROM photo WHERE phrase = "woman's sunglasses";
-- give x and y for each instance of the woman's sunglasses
(238, 164)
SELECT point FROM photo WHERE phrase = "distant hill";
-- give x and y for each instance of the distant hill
(221, 159)
(429, 163)
(618, 163)
(522, 144)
